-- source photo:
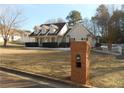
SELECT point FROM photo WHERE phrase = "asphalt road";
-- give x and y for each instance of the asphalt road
(8, 80)
(40, 80)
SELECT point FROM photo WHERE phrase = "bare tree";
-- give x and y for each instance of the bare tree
(9, 19)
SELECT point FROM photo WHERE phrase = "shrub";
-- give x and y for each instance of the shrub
(31, 44)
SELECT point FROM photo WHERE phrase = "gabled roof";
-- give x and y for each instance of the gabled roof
(89, 31)
(67, 31)
(83, 27)
(42, 34)
(59, 27)
(34, 34)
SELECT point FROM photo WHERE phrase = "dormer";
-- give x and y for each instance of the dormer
(44, 29)
(37, 29)
(53, 28)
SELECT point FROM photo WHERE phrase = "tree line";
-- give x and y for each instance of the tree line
(107, 24)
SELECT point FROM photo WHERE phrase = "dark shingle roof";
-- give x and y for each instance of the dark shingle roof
(59, 25)
(67, 31)
(34, 34)
(42, 34)
(89, 31)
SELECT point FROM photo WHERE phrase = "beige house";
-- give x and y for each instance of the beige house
(19, 36)
(23, 37)
(78, 33)
(49, 33)
(61, 32)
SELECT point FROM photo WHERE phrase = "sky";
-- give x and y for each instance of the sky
(37, 14)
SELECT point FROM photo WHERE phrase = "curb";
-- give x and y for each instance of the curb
(48, 78)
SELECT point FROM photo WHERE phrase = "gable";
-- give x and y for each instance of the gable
(78, 31)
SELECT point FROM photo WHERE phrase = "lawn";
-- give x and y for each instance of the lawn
(105, 70)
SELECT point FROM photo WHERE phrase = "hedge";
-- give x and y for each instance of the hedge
(31, 44)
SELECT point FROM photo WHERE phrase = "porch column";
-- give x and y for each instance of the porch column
(56, 39)
(38, 41)
(50, 39)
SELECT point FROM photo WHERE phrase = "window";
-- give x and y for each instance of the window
(87, 39)
(36, 32)
(84, 39)
(72, 39)
(52, 30)
(37, 29)
(43, 30)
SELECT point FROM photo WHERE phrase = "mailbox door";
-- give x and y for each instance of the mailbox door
(78, 61)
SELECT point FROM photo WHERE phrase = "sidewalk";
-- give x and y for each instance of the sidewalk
(42, 48)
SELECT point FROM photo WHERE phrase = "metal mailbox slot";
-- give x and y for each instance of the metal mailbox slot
(78, 60)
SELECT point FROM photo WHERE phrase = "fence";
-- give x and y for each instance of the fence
(117, 48)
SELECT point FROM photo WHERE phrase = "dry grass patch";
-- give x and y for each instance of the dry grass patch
(105, 70)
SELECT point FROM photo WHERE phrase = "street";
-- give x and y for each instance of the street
(8, 80)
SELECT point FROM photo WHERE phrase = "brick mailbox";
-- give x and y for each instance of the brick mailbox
(80, 61)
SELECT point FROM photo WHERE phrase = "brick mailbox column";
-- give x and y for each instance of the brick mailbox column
(80, 61)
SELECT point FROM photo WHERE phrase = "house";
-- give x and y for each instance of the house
(24, 37)
(20, 36)
(61, 33)
(79, 32)
(49, 33)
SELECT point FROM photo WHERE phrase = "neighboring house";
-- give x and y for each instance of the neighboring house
(24, 37)
(19, 36)
(1, 38)
(61, 32)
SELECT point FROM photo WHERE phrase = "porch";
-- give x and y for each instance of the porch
(48, 39)
(49, 42)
